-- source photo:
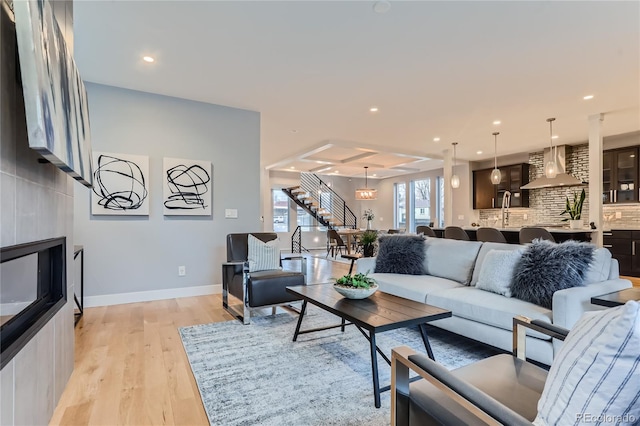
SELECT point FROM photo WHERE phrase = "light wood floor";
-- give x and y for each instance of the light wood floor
(130, 365)
(634, 280)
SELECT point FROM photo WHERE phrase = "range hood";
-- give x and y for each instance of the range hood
(562, 178)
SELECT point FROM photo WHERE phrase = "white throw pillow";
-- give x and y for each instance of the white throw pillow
(497, 269)
(598, 268)
(262, 256)
(594, 379)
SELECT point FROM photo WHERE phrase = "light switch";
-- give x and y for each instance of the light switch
(231, 213)
(618, 215)
(525, 216)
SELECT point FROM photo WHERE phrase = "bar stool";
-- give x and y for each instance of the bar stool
(490, 235)
(456, 233)
(425, 230)
(529, 234)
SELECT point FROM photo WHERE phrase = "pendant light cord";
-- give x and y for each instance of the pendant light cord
(495, 150)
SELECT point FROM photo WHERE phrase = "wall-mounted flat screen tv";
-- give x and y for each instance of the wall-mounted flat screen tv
(54, 95)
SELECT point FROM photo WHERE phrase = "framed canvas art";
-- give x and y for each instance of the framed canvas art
(187, 187)
(120, 184)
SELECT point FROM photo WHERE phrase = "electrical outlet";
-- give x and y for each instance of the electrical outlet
(182, 271)
(618, 215)
(525, 216)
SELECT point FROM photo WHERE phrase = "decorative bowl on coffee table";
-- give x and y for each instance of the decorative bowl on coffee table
(355, 292)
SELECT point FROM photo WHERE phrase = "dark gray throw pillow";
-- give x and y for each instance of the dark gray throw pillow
(546, 267)
(400, 254)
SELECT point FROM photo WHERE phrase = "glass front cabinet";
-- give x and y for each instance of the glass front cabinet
(620, 176)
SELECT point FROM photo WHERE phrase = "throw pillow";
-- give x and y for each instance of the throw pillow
(599, 269)
(497, 271)
(451, 259)
(400, 254)
(546, 267)
(262, 256)
(594, 377)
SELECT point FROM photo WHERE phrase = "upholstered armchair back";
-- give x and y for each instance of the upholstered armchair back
(237, 246)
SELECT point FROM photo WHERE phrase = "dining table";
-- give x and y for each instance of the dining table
(350, 234)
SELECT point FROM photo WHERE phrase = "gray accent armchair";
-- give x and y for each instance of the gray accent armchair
(244, 291)
(502, 389)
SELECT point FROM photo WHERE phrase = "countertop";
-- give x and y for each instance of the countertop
(552, 230)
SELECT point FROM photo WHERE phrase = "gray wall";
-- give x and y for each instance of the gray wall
(142, 254)
(36, 204)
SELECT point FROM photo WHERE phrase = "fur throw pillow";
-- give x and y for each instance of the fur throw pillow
(546, 267)
(400, 254)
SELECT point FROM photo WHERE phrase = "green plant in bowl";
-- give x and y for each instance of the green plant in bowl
(358, 280)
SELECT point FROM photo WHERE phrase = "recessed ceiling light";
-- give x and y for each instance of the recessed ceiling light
(478, 152)
(554, 137)
(373, 109)
(382, 6)
(294, 131)
(292, 167)
(336, 172)
(436, 139)
(374, 175)
(496, 122)
(148, 59)
(586, 98)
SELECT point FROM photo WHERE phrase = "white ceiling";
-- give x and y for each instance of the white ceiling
(434, 69)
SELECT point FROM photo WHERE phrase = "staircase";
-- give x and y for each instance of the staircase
(321, 202)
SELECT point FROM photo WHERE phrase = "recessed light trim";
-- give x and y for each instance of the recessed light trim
(588, 97)
(497, 122)
(382, 6)
(436, 139)
(555, 137)
(374, 109)
(478, 152)
(148, 59)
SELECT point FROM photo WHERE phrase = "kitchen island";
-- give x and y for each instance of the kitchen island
(512, 235)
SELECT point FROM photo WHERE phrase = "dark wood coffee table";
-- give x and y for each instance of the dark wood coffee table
(617, 298)
(377, 313)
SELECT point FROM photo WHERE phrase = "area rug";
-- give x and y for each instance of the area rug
(255, 375)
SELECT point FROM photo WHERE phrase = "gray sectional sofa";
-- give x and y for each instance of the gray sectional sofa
(453, 268)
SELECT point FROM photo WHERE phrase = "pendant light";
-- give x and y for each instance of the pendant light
(496, 175)
(551, 168)
(455, 180)
(366, 193)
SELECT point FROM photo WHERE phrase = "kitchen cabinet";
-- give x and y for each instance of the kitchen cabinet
(624, 246)
(486, 195)
(620, 176)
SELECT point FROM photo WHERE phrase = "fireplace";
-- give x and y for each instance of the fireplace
(32, 290)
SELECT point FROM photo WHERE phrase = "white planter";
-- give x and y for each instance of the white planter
(575, 224)
(355, 293)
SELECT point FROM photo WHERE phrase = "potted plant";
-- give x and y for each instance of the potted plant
(368, 240)
(358, 286)
(368, 216)
(574, 209)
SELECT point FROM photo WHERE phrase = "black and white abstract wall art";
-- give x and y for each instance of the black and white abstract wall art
(187, 187)
(56, 105)
(120, 184)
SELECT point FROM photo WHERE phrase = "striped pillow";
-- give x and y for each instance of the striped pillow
(595, 378)
(262, 256)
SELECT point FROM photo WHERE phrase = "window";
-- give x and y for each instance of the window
(421, 203)
(280, 211)
(440, 199)
(400, 219)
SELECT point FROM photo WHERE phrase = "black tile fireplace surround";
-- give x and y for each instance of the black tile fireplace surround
(50, 295)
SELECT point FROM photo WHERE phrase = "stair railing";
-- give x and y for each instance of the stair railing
(327, 199)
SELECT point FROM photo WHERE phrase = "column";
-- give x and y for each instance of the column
(448, 191)
(595, 175)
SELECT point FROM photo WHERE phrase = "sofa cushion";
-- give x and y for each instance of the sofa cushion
(452, 259)
(599, 268)
(486, 247)
(594, 377)
(546, 267)
(497, 269)
(488, 308)
(414, 287)
(401, 254)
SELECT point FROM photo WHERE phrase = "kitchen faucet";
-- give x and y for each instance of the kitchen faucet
(506, 198)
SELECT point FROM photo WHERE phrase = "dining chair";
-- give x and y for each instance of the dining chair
(529, 234)
(334, 242)
(490, 235)
(393, 231)
(456, 233)
(425, 230)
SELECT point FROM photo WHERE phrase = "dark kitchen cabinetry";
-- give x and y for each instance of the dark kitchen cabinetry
(486, 195)
(620, 176)
(625, 247)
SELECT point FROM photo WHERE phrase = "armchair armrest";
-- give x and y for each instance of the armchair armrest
(481, 405)
(520, 335)
(303, 264)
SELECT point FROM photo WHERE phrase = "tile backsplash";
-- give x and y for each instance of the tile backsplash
(546, 204)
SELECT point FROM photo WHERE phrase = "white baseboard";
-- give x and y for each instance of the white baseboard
(146, 296)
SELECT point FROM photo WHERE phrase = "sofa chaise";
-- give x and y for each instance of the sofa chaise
(452, 271)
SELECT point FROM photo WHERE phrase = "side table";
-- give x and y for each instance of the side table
(617, 298)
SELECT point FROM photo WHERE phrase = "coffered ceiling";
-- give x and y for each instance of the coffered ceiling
(434, 69)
